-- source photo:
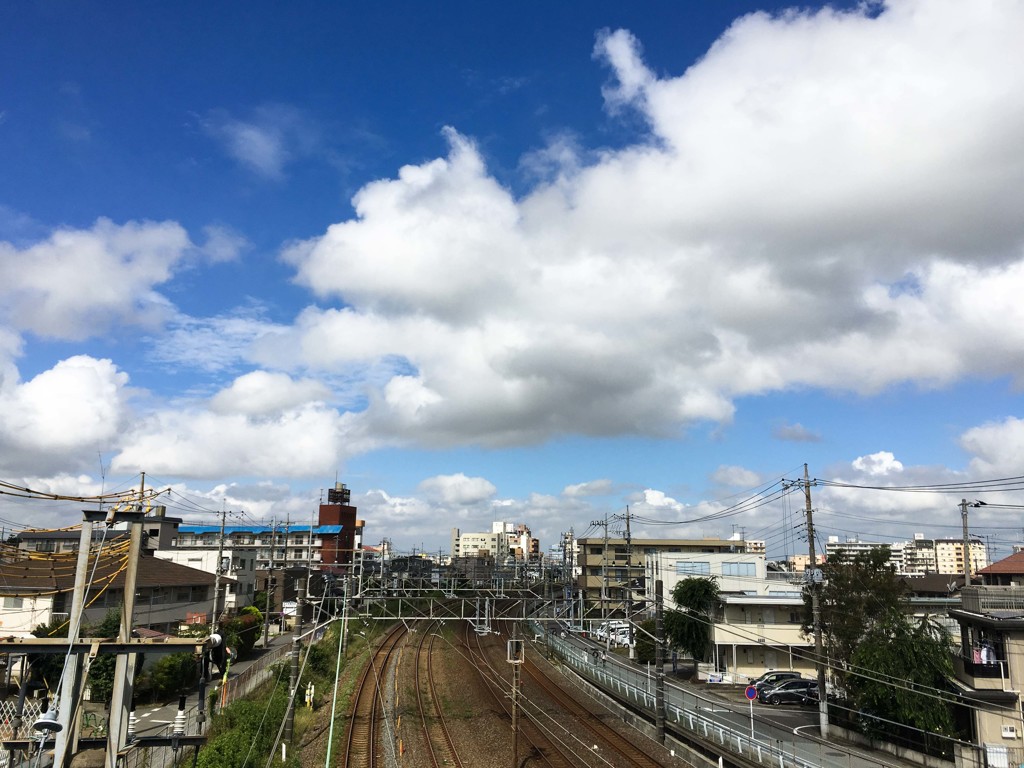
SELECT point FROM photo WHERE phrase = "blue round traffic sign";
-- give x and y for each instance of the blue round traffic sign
(751, 692)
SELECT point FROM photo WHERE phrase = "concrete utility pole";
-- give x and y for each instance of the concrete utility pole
(515, 658)
(967, 543)
(659, 659)
(270, 585)
(71, 679)
(293, 676)
(604, 568)
(814, 586)
(218, 571)
(124, 669)
(629, 588)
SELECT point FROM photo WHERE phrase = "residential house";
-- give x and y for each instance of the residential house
(37, 590)
(989, 665)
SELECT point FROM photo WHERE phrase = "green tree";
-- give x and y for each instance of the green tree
(173, 675)
(48, 667)
(242, 631)
(101, 672)
(689, 627)
(858, 592)
(644, 644)
(897, 670)
(259, 600)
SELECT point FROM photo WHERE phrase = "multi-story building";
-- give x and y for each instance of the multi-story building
(758, 623)
(989, 667)
(756, 546)
(917, 557)
(611, 568)
(502, 541)
(237, 563)
(949, 555)
(276, 546)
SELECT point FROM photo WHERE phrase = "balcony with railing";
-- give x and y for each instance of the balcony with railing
(991, 674)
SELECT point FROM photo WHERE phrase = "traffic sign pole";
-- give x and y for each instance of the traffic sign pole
(751, 694)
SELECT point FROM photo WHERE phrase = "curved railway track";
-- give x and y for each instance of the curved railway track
(361, 733)
(543, 748)
(438, 738)
(629, 753)
(611, 741)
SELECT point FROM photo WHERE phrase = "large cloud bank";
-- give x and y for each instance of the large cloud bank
(827, 200)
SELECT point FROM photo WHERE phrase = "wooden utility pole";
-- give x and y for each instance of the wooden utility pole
(814, 585)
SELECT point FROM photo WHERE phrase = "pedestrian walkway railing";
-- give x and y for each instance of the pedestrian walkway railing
(706, 720)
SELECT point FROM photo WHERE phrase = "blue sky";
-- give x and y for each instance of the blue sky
(532, 262)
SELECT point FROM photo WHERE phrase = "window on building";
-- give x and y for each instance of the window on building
(739, 569)
(692, 568)
(44, 546)
(14, 602)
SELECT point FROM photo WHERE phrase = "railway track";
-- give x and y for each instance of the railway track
(630, 754)
(612, 744)
(438, 738)
(543, 746)
(361, 733)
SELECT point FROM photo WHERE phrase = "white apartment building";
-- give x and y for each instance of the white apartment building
(277, 547)
(758, 626)
(503, 540)
(919, 556)
(237, 563)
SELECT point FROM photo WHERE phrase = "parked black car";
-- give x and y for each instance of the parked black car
(789, 692)
(771, 679)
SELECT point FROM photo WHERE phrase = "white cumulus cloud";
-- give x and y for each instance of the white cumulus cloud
(794, 218)
(458, 489)
(79, 283)
(61, 416)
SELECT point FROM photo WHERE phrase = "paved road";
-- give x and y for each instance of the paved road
(153, 718)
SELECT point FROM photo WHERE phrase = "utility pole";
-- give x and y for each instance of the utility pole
(219, 570)
(659, 659)
(270, 584)
(967, 543)
(124, 669)
(814, 585)
(629, 587)
(71, 680)
(604, 568)
(515, 658)
(293, 676)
